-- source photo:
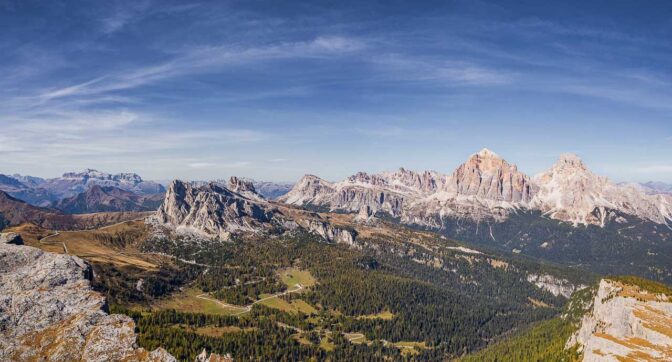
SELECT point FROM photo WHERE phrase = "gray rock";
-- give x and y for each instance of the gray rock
(625, 321)
(220, 212)
(11, 238)
(485, 187)
(49, 312)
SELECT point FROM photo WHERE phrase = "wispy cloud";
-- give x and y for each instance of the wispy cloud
(655, 169)
(200, 164)
(448, 72)
(205, 59)
(123, 15)
(74, 136)
(620, 93)
(382, 131)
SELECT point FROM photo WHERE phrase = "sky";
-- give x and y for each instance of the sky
(276, 89)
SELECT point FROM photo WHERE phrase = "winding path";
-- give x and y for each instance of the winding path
(56, 233)
(248, 308)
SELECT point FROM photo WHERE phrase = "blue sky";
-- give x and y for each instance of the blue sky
(273, 90)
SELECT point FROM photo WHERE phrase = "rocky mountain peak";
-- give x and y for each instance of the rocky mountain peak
(365, 178)
(213, 210)
(237, 184)
(569, 191)
(307, 188)
(425, 182)
(487, 175)
(486, 160)
(570, 162)
(244, 187)
(486, 153)
(217, 212)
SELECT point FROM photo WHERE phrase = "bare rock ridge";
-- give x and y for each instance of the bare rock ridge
(49, 312)
(625, 323)
(220, 212)
(485, 187)
(244, 187)
(214, 210)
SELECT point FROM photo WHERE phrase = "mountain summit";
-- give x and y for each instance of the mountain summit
(485, 187)
(569, 191)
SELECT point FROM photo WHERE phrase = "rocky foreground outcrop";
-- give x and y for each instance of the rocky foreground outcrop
(48, 312)
(626, 323)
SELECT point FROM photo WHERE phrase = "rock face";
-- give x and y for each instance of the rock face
(220, 212)
(329, 232)
(626, 323)
(485, 187)
(365, 215)
(570, 192)
(214, 210)
(11, 238)
(554, 285)
(107, 199)
(244, 187)
(487, 176)
(213, 357)
(48, 312)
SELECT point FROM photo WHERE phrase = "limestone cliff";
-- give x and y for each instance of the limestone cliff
(627, 322)
(48, 312)
(219, 212)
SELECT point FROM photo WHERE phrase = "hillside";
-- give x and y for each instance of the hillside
(107, 199)
(618, 319)
(16, 212)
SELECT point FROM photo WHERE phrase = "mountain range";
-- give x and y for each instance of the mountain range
(486, 187)
(369, 246)
(566, 214)
(44, 192)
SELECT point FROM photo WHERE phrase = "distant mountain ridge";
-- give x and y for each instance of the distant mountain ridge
(657, 187)
(44, 192)
(16, 212)
(566, 214)
(107, 199)
(485, 187)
